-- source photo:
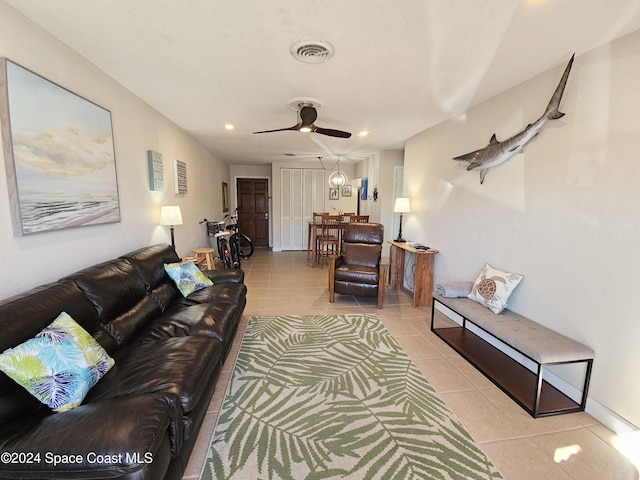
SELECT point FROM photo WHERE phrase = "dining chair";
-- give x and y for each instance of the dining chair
(329, 237)
(315, 230)
(359, 218)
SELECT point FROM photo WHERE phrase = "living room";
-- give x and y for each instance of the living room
(563, 214)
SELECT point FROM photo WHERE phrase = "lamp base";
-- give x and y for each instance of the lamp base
(400, 239)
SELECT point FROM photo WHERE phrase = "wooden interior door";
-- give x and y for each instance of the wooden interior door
(253, 209)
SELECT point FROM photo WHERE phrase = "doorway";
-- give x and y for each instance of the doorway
(253, 209)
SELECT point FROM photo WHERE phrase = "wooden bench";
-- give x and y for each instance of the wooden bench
(541, 346)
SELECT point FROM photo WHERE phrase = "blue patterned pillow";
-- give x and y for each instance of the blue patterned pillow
(59, 365)
(187, 277)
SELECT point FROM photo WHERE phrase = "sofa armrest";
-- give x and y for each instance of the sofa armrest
(225, 275)
(133, 436)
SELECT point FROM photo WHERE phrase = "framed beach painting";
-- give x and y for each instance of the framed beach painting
(59, 155)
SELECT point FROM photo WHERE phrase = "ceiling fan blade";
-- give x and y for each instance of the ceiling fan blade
(332, 133)
(295, 127)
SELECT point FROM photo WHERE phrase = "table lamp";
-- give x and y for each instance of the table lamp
(401, 206)
(170, 215)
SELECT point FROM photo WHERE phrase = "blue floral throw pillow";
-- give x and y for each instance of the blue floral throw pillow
(59, 365)
(187, 277)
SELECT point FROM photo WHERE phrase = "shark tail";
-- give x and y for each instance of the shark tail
(552, 111)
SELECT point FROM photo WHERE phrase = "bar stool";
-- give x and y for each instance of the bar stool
(207, 253)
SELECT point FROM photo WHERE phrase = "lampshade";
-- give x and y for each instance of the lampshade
(402, 205)
(170, 215)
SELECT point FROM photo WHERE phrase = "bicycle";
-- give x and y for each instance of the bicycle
(218, 231)
(239, 242)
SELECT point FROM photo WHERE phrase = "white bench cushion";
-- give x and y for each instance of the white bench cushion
(534, 340)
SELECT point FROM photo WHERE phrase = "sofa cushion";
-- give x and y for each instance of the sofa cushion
(361, 254)
(224, 293)
(149, 261)
(187, 277)
(181, 366)
(219, 320)
(357, 274)
(41, 306)
(112, 287)
(125, 326)
(59, 365)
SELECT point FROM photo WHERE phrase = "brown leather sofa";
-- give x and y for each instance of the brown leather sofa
(359, 270)
(141, 420)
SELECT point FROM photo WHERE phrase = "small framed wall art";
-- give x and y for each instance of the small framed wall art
(156, 174)
(364, 191)
(346, 191)
(225, 197)
(333, 194)
(180, 177)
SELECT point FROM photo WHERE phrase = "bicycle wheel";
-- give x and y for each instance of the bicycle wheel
(246, 245)
(235, 252)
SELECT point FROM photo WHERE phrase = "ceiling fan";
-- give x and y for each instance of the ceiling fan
(307, 115)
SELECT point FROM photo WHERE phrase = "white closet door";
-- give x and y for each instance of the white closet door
(302, 194)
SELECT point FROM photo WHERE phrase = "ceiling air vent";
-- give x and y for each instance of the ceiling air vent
(312, 51)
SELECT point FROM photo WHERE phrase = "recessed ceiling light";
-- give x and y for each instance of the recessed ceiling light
(229, 126)
(363, 133)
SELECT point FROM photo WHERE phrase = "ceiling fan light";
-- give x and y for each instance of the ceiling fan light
(305, 129)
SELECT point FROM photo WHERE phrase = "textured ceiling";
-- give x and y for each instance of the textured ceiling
(399, 66)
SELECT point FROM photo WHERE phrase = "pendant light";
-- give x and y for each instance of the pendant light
(337, 179)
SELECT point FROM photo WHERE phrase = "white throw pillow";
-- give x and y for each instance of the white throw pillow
(493, 288)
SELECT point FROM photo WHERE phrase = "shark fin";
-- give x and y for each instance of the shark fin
(493, 140)
(552, 111)
(483, 172)
(472, 165)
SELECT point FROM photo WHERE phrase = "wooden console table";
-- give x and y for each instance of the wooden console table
(423, 274)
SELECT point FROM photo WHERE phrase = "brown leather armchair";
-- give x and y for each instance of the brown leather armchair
(359, 270)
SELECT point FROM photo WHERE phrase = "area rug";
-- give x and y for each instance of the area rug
(335, 396)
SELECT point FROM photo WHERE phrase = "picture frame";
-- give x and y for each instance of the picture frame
(59, 154)
(225, 197)
(156, 173)
(180, 177)
(333, 193)
(364, 184)
(346, 191)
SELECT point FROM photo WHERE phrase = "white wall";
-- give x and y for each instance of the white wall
(35, 259)
(565, 213)
(379, 169)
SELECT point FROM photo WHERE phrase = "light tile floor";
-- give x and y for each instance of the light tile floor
(521, 447)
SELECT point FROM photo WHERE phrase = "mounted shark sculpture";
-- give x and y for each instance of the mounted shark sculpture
(499, 152)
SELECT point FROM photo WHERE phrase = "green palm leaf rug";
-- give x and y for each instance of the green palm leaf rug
(335, 396)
